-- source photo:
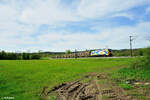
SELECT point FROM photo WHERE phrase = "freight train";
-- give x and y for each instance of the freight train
(88, 53)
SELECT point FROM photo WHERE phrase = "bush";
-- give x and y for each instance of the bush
(2, 55)
(9, 56)
(18, 56)
(148, 55)
(140, 52)
(25, 56)
(68, 51)
(35, 56)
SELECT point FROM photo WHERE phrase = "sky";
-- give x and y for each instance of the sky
(59, 25)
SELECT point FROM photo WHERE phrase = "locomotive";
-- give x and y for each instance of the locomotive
(101, 52)
(88, 53)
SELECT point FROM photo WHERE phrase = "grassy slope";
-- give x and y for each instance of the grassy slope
(139, 71)
(25, 79)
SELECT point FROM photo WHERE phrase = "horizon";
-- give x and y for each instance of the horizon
(42, 51)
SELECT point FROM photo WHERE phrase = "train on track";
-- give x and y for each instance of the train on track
(87, 53)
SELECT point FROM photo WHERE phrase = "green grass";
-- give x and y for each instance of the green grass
(139, 71)
(24, 79)
(125, 86)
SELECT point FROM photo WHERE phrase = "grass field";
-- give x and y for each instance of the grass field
(24, 79)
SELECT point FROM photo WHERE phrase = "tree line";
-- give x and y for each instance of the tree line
(18, 56)
(126, 52)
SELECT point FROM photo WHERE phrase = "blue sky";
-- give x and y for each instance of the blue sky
(58, 25)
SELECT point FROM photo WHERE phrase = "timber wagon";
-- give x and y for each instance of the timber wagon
(88, 53)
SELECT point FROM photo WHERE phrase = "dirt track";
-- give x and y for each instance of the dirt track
(86, 88)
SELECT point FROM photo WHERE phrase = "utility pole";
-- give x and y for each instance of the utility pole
(76, 54)
(131, 44)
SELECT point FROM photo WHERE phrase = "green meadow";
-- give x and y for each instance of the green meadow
(24, 79)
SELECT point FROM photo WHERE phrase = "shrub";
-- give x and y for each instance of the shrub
(18, 56)
(25, 56)
(68, 51)
(140, 52)
(35, 56)
(2, 55)
(10, 56)
(148, 55)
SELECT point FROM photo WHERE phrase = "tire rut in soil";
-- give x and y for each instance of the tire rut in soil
(78, 90)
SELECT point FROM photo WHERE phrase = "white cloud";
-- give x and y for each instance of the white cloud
(52, 12)
(124, 15)
(7, 14)
(101, 8)
(9, 25)
(115, 38)
(18, 24)
(47, 12)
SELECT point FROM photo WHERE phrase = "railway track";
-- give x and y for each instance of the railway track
(96, 57)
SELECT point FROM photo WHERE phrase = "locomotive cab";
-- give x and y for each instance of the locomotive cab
(110, 52)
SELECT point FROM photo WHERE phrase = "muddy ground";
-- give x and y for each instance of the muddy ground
(91, 87)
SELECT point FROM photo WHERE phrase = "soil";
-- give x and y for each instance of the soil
(91, 87)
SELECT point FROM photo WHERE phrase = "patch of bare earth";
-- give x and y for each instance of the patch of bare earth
(91, 87)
